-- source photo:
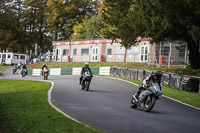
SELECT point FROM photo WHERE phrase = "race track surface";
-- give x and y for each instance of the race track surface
(106, 106)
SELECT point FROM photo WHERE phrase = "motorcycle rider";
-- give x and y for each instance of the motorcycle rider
(24, 67)
(43, 66)
(85, 69)
(154, 77)
(14, 68)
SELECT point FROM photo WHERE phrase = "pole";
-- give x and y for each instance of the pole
(159, 55)
(170, 47)
(185, 55)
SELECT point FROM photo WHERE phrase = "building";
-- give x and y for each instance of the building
(99, 50)
(104, 50)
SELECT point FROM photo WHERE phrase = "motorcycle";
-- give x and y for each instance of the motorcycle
(14, 69)
(85, 83)
(147, 98)
(23, 72)
(45, 73)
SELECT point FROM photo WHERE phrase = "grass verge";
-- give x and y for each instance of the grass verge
(24, 108)
(182, 96)
(4, 67)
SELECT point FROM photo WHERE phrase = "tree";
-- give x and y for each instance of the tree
(157, 19)
(65, 14)
(89, 28)
(11, 31)
(174, 20)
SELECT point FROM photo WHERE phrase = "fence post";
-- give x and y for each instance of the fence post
(185, 56)
(170, 48)
(159, 55)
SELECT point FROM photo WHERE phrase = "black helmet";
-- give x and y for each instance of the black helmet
(158, 75)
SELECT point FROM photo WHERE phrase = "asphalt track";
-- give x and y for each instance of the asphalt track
(106, 106)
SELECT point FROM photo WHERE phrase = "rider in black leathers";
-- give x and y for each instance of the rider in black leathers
(85, 69)
(154, 77)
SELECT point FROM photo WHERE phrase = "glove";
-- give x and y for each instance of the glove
(146, 85)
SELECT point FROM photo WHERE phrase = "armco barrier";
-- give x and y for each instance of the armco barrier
(186, 83)
(36, 72)
(133, 73)
(104, 71)
(66, 71)
(55, 71)
(166, 79)
(189, 84)
(95, 70)
(76, 71)
(175, 81)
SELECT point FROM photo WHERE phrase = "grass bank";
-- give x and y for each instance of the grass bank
(4, 67)
(176, 70)
(24, 108)
(183, 96)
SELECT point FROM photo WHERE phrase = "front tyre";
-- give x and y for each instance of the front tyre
(133, 103)
(149, 103)
(87, 85)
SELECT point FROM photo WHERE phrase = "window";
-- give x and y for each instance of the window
(144, 53)
(85, 51)
(0, 55)
(109, 51)
(119, 50)
(22, 57)
(66, 52)
(16, 56)
(8, 56)
(74, 52)
(133, 50)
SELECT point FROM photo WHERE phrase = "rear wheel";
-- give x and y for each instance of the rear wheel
(149, 103)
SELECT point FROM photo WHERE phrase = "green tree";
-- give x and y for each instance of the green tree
(63, 15)
(89, 28)
(157, 19)
(173, 20)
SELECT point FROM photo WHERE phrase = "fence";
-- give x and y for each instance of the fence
(186, 83)
(169, 54)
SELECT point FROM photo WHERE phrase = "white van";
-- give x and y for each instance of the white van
(10, 58)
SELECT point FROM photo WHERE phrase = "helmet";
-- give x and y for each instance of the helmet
(86, 64)
(158, 75)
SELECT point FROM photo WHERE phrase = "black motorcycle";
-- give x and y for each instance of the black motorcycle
(23, 72)
(14, 69)
(147, 98)
(85, 83)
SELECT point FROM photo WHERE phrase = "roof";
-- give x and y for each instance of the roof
(11, 53)
(92, 41)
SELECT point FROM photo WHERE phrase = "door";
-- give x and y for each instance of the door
(3, 59)
(95, 53)
(144, 53)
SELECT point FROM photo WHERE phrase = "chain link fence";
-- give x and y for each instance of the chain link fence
(170, 54)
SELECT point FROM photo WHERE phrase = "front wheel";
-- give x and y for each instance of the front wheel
(87, 85)
(149, 103)
(133, 103)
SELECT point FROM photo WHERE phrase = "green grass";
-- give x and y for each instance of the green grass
(183, 96)
(24, 109)
(176, 70)
(4, 67)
